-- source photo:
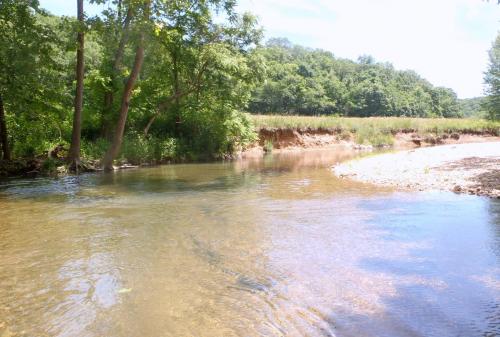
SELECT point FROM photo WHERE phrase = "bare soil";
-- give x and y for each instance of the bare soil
(290, 139)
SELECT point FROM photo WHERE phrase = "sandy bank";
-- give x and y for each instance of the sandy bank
(300, 138)
(462, 168)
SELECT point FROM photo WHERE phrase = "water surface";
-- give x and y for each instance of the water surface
(271, 247)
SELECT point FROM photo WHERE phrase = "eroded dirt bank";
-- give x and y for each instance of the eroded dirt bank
(462, 168)
(292, 139)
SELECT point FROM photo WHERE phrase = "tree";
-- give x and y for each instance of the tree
(115, 34)
(3, 132)
(116, 143)
(30, 88)
(74, 150)
(153, 71)
(492, 81)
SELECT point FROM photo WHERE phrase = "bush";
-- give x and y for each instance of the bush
(49, 165)
(137, 149)
(216, 132)
(94, 149)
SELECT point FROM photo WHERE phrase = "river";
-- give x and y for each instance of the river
(258, 247)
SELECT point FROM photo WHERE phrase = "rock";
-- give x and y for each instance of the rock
(57, 152)
(127, 166)
(430, 140)
(362, 147)
(62, 169)
(32, 173)
(457, 189)
(417, 141)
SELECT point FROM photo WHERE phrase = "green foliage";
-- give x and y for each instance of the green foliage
(214, 133)
(492, 79)
(94, 149)
(197, 76)
(473, 107)
(313, 82)
(49, 165)
(137, 149)
(199, 73)
(30, 80)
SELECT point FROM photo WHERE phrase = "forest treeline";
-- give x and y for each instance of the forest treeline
(308, 81)
(314, 82)
(154, 79)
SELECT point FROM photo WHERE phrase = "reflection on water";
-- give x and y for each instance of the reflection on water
(272, 247)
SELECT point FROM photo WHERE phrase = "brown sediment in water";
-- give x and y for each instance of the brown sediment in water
(461, 168)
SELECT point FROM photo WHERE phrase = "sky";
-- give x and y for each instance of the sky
(445, 41)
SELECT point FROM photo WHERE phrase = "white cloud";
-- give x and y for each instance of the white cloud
(445, 41)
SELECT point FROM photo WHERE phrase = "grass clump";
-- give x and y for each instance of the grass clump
(268, 146)
(373, 136)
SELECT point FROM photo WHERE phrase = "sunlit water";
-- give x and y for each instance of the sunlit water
(272, 247)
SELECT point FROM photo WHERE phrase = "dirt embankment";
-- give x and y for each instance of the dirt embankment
(292, 139)
(288, 137)
(461, 168)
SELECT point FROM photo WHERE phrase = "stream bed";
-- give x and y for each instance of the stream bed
(273, 246)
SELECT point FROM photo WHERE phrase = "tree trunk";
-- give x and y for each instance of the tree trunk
(74, 150)
(151, 120)
(115, 146)
(108, 94)
(3, 132)
(177, 91)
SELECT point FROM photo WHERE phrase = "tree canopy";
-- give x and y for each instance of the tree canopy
(190, 86)
(314, 82)
(163, 78)
(492, 80)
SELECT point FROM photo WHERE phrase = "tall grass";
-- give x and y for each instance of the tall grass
(383, 125)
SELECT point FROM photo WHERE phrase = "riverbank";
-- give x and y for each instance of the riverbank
(279, 139)
(270, 133)
(278, 131)
(461, 168)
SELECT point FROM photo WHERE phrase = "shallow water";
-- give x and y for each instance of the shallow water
(272, 247)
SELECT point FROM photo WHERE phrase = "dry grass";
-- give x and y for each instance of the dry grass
(380, 125)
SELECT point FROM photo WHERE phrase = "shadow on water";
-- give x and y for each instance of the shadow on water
(167, 178)
(210, 177)
(80, 189)
(447, 284)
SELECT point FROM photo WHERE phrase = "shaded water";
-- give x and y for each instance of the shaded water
(272, 247)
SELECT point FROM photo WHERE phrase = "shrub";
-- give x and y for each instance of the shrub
(94, 149)
(49, 166)
(216, 132)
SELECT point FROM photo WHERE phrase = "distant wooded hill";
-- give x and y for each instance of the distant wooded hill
(308, 81)
(473, 107)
